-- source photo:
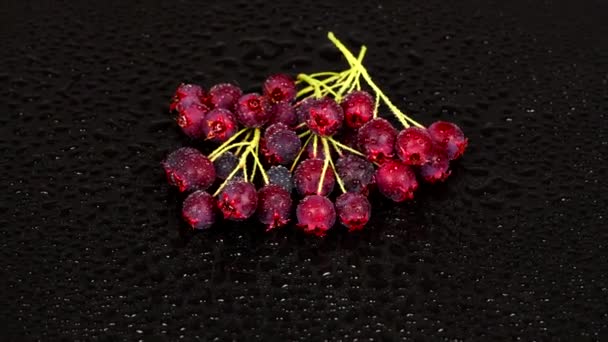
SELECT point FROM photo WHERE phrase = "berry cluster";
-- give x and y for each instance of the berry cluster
(282, 142)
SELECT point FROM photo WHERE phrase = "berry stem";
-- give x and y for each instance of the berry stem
(376, 105)
(228, 142)
(295, 161)
(331, 162)
(353, 74)
(314, 146)
(238, 150)
(227, 148)
(347, 148)
(322, 179)
(305, 134)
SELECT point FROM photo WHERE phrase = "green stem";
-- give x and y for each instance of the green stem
(226, 149)
(347, 148)
(295, 161)
(228, 142)
(333, 167)
(325, 166)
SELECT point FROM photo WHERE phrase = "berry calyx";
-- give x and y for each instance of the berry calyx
(188, 169)
(450, 137)
(396, 180)
(316, 214)
(308, 175)
(238, 200)
(354, 210)
(220, 125)
(280, 88)
(199, 210)
(377, 140)
(324, 117)
(414, 146)
(358, 107)
(274, 206)
(224, 95)
(253, 110)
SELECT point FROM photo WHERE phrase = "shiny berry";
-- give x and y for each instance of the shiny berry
(358, 107)
(224, 95)
(414, 146)
(324, 117)
(316, 214)
(238, 200)
(280, 175)
(277, 127)
(191, 119)
(396, 180)
(225, 164)
(450, 137)
(274, 206)
(437, 168)
(187, 95)
(199, 210)
(353, 210)
(188, 169)
(283, 112)
(280, 88)
(308, 175)
(302, 108)
(377, 140)
(356, 173)
(220, 125)
(253, 110)
(281, 145)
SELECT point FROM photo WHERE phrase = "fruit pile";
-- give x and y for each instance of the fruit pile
(283, 142)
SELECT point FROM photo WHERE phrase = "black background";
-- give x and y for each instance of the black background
(512, 246)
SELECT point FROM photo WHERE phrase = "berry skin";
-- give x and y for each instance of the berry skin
(356, 173)
(310, 150)
(186, 95)
(274, 206)
(199, 210)
(450, 137)
(358, 107)
(283, 112)
(353, 210)
(324, 117)
(238, 201)
(280, 175)
(253, 110)
(280, 88)
(396, 180)
(414, 146)
(225, 164)
(280, 145)
(188, 169)
(219, 125)
(224, 95)
(307, 177)
(191, 119)
(437, 169)
(316, 214)
(302, 108)
(377, 140)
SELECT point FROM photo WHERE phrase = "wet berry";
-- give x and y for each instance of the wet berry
(224, 95)
(225, 164)
(308, 174)
(253, 110)
(280, 145)
(283, 112)
(274, 206)
(238, 200)
(188, 169)
(358, 107)
(356, 173)
(324, 117)
(319, 153)
(377, 140)
(280, 88)
(302, 108)
(414, 146)
(316, 214)
(277, 127)
(220, 125)
(199, 210)
(396, 180)
(191, 120)
(450, 137)
(353, 210)
(280, 175)
(437, 168)
(187, 95)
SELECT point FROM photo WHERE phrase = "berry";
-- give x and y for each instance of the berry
(274, 206)
(450, 137)
(219, 125)
(302, 108)
(310, 150)
(396, 180)
(280, 88)
(238, 200)
(225, 164)
(356, 173)
(191, 119)
(188, 169)
(283, 112)
(253, 110)
(224, 95)
(307, 177)
(377, 140)
(199, 210)
(316, 214)
(414, 146)
(280, 145)
(186, 95)
(437, 169)
(277, 127)
(324, 117)
(353, 210)
(358, 107)
(280, 175)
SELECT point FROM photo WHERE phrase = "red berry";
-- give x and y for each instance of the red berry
(307, 177)
(414, 146)
(324, 117)
(219, 125)
(396, 180)
(280, 88)
(358, 107)
(277, 127)
(310, 151)
(450, 137)
(437, 169)
(302, 108)
(377, 139)
(224, 95)
(191, 119)
(280, 145)
(283, 112)
(353, 210)
(199, 210)
(186, 95)
(356, 173)
(238, 200)
(253, 110)
(274, 206)
(316, 214)
(188, 169)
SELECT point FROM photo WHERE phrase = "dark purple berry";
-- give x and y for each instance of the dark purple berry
(283, 112)
(224, 95)
(396, 180)
(354, 210)
(437, 168)
(302, 108)
(274, 206)
(450, 137)
(280, 146)
(220, 125)
(316, 214)
(356, 173)
(253, 110)
(188, 169)
(187, 95)
(377, 140)
(280, 175)
(358, 107)
(414, 146)
(280, 88)
(225, 164)
(191, 119)
(307, 177)
(277, 127)
(198, 210)
(238, 200)
(324, 117)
